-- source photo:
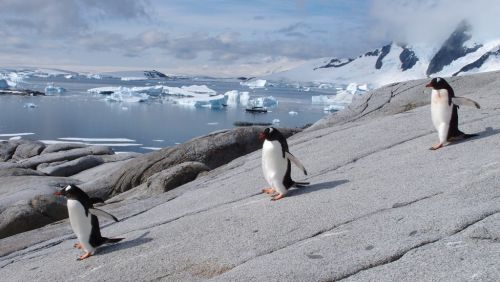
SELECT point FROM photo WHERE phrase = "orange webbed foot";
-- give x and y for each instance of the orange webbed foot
(277, 197)
(86, 255)
(268, 191)
(437, 146)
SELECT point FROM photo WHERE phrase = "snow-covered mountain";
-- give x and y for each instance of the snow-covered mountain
(459, 54)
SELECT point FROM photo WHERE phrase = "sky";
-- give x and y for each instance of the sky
(221, 38)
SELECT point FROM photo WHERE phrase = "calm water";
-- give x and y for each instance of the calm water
(79, 114)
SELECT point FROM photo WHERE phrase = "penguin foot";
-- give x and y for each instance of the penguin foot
(277, 197)
(78, 246)
(268, 191)
(437, 146)
(86, 255)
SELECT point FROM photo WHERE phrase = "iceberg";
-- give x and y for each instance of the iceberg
(3, 84)
(211, 102)
(50, 89)
(333, 108)
(127, 97)
(235, 98)
(254, 83)
(30, 106)
(276, 121)
(269, 101)
(293, 113)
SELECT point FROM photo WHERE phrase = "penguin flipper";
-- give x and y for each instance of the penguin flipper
(296, 161)
(98, 212)
(462, 101)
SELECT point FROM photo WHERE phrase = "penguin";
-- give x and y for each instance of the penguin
(276, 164)
(444, 111)
(83, 220)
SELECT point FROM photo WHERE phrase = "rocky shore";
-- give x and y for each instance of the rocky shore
(380, 207)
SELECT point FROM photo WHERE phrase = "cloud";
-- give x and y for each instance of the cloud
(65, 19)
(433, 20)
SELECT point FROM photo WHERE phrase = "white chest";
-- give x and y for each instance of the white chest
(273, 163)
(80, 223)
(441, 110)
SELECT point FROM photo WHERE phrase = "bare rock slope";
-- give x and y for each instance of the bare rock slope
(380, 207)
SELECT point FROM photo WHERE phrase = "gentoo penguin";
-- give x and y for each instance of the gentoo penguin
(444, 111)
(83, 220)
(276, 163)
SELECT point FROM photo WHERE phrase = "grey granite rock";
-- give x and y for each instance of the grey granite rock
(65, 155)
(17, 171)
(28, 149)
(174, 176)
(380, 207)
(52, 148)
(72, 167)
(213, 150)
(26, 202)
(7, 149)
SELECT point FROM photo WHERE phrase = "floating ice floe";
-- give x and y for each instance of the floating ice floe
(211, 102)
(111, 142)
(50, 89)
(342, 98)
(293, 113)
(152, 148)
(3, 84)
(269, 101)
(30, 106)
(16, 134)
(254, 83)
(276, 121)
(235, 98)
(15, 138)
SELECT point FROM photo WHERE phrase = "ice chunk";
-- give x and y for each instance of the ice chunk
(152, 148)
(254, 83)
(235, 98)
(269, 101)
(325, 86)
(321, 99)
(68, 76)
(3, 84)
(352, 88)
(293, 113)
(333, 108)
(132, 78)
(96, 139)
(276, 121)
(244, 97)
(50, 89)
(16, 134)
(199, 89)
(30, 106)
(363, 87)
(15, 138)
(212, 102)
(127, 96)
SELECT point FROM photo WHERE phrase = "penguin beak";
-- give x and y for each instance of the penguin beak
(428, 84)
(262, 136)
(57, 193)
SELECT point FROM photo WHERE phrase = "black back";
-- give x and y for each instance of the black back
(439, 83)
(273, 134)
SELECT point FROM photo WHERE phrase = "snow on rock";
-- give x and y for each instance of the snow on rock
(269, 101)
(51, 89)
(254, 83)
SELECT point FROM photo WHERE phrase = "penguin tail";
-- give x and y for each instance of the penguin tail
(300, 184)
(467, 136)
(112, 240)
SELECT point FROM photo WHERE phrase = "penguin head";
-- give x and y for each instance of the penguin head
(438, 83)
(270, 134)
(71, 192)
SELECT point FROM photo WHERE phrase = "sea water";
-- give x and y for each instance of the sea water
(79, 116)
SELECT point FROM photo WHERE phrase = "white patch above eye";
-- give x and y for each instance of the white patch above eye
(67, 188)
(438, 79)
(271, 129)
